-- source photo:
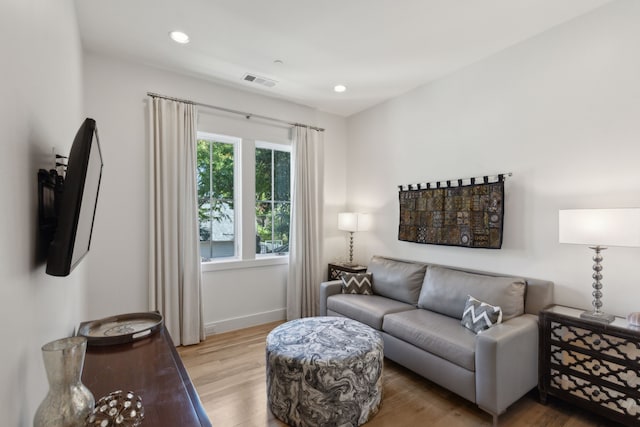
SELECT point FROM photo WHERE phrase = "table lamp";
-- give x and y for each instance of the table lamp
(599, 228)
(352, 222)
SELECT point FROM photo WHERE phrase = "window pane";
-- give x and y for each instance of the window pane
(281, 223)
(222, 170)
(203, 167)
(282, 166)
(264, 223)
(222, 228)
(215, 168)
(204, 217)
(263, 174)
(273, 196)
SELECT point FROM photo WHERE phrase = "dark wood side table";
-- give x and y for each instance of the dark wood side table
(152, 369)
(592, 365)
(336, 269)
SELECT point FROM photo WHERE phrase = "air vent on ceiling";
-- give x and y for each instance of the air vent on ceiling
(252, 78)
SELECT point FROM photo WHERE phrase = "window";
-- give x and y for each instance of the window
(226, 183)
(273, 198)
(216, 166)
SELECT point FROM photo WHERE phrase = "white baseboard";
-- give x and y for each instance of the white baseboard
(234, 323)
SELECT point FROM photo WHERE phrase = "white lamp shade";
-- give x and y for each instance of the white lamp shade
(606, 227)
(353, 221)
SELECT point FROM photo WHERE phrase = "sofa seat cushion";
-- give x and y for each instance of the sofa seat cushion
(368, 309)
(435, 333)
(446, 291)
(400, 280)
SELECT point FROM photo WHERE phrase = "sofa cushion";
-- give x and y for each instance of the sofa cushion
(445, 291)
(399, 280)
(356, 283)
(368, 309)
(478, 315)
(435, 333)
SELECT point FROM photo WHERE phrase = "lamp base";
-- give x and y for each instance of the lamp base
(599, 317)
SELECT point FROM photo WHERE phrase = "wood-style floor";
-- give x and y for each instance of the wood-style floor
(228, 371)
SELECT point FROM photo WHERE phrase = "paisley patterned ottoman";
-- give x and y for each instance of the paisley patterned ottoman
(324, 371)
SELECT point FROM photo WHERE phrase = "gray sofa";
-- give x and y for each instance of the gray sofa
(418, 308)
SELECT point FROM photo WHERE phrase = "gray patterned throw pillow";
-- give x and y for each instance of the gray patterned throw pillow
(357, 283)
(478, 315)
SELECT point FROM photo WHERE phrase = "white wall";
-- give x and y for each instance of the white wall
(115, 93)
(40, 107)
(561, 111)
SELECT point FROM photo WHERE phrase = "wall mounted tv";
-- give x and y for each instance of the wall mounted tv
(68, 202)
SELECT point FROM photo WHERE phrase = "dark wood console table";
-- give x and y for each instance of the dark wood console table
(152, 369)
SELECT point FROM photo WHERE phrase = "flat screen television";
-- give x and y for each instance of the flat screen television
(79, 198)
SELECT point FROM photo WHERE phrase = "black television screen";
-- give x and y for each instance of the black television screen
(72, 236)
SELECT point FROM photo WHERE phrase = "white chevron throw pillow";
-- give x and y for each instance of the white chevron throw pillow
(478, 316)
(357, 283)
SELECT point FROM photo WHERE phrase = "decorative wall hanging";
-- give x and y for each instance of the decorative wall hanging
(453, 214)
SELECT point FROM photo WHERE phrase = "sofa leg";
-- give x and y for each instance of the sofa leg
(494, 416)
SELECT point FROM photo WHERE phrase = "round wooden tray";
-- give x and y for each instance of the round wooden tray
(120, 329)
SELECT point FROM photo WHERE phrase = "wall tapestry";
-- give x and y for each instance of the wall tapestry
(463, 215)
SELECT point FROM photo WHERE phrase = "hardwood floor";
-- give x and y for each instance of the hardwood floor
(228, 371)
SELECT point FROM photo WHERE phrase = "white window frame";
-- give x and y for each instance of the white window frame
(235, 142)
(276, 147)
(244, 204)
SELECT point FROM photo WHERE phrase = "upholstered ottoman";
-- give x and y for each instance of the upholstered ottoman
(324, 371)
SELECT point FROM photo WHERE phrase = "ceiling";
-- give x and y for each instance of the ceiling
(377, 48)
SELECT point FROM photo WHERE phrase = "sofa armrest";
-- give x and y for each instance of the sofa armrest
(506, 363)
(326, 290)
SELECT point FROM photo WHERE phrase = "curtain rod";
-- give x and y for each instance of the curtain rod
(447, 183)
(229, 110)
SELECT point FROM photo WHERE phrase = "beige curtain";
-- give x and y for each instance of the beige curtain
(174, 264)
(305, 242)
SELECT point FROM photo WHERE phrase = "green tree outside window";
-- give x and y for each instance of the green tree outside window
(273, 200)
(216, 210)
(215, 175)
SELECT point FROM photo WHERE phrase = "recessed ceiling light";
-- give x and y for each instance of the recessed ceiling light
(339, 88)
(179, 37)
(278, 61)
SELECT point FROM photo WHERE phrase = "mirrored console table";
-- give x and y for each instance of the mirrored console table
(592, 365)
